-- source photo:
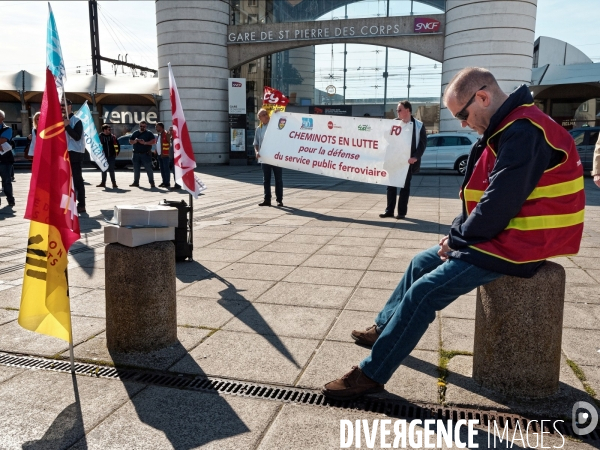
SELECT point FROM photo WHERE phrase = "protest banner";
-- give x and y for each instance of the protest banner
(274, 100)
(354, 148)
(92, 140)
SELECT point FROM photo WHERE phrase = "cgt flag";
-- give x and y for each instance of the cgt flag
(273, 100)
(183, 154)
(54, 226)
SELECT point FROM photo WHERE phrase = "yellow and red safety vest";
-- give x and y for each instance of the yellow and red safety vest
(164, 144)
(550, 222)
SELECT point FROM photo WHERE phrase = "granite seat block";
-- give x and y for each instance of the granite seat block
(141, 304)
(518, 330)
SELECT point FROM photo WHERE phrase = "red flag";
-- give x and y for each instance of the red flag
(183, 154)
(45, 306)
(51, 196)
(274, 100)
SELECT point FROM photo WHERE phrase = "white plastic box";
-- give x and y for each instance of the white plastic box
(145, 216)
(133, 237)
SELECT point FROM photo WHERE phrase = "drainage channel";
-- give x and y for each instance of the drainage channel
(308, 397)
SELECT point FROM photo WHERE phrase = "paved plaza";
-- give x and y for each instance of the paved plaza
(271, 298)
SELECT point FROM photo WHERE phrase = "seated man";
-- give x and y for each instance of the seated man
(522, 202)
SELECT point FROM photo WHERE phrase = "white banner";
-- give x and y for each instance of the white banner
(354, 148)
(92, 140)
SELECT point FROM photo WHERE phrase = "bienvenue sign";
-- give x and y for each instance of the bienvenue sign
(329, 30)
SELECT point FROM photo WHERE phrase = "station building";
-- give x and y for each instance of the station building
(350, 57)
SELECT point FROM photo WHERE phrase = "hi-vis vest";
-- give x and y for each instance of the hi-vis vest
(115, 144)
(164, 144)
(550, 222)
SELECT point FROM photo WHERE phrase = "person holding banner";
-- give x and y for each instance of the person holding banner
(164, 160)
(259, 136)
(111, 148)
(76, 147)
(523, 201)
(417, 148)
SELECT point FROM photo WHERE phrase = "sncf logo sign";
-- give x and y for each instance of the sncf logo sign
(236, 84)
(396, 130)
(424, 25)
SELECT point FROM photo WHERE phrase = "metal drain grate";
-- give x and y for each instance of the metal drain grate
(390, 407)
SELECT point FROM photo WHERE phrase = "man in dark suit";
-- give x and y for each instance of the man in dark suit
(417, 148)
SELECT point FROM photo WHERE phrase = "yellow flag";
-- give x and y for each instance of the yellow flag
(45, 306)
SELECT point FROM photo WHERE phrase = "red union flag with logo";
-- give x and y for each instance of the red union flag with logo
(45, 306)
(183, 154)
(274, 100)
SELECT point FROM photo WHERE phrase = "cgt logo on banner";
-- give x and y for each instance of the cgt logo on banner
(310, 144)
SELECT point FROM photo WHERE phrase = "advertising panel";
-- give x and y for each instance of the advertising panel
(353, 148)
(237, 95)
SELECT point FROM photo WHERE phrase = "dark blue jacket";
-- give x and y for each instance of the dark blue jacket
(522, 157)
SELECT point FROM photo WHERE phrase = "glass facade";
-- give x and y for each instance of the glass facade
(366, 79)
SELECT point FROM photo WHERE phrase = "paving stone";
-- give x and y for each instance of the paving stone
(356, 241)
(345, 250)
(415, 379)
(303, 294)
(364, 232)
(226, 288)
(249, 357)
(221, 255)
(462, 390)
(203, 312)
(305, 239)
(286, 247)
(283, 320)
(45, 410)
(90, 304)
(256, 271)
(580, 315)
(359, 320)
(338, 262)
(95, 350)
(394, 265)
(159, 418)
(318, 231)
(381, 280)
(7, 372)
(575, 293)
(461, 308)
(235, 244)
(581, 276)
(80, 278)
(458, 334)
(10, 297)
(582, 346)
(313, 275)
(367, 299)
(276, 258)
(16, 339)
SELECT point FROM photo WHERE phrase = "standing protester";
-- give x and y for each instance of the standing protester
(164, 160)
(6, 160)
(111, 148)
(176, 185)
(259, 136)
(32, 137)
(596, 166)
(522, 202)
(76, 147)
(142, 141)
(417, 148)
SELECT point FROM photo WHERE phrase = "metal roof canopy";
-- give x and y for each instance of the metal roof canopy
(573, 81)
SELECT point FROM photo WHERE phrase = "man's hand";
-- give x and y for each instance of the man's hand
(444, 249)
(66, 122)
(597, 180)
(141, 141)
(412, 160)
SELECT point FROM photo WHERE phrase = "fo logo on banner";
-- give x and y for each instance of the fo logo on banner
(396, 130)
(307, 123)
(281, 123)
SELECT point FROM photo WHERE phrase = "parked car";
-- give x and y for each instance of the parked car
(448, 151)
(585, 140)
(19, 152)
(126, 154)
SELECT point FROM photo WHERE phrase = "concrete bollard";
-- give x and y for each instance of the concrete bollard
(518, 332)
(140, 297)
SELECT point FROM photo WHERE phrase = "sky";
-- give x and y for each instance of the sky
(129, 27)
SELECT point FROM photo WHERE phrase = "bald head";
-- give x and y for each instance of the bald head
(468, 81)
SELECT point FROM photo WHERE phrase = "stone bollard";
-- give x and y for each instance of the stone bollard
(140, 297)
(518, 332)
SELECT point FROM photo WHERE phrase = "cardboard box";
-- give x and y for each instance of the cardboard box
(146, 216)
(134, 237)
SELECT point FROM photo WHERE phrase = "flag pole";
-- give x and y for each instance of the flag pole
(191, 227)
(71, 355)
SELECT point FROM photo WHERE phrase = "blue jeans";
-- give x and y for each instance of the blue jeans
(277, 171)
(428, 285)
(165, 171)
(146, 160)
(6, 175)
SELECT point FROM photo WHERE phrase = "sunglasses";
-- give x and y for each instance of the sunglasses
(463, 114)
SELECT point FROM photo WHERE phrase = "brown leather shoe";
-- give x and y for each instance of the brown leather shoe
(367, 337)
(352, 385)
